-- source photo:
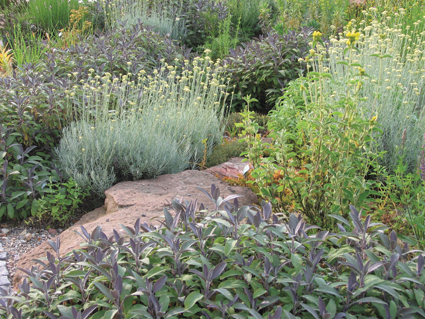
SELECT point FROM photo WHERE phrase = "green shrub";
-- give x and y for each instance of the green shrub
(164, 20)
(201, 19)
(246, 14)
(23, 176)
(58, 204)
(262, 67)
(233, 118)
(230, 262)
(226, 39)
(321, 155)
(135, 131)
(223, 152)
(34, 108)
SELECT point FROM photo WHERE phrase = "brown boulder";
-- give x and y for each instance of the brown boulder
(232, 168)
(145, 199)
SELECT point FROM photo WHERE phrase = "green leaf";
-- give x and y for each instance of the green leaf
(140, 311)
(229, 284)
(341, 219)
(289, 315)
(110, 314)
(65, 311)
(2, 211)
(419, 295)
(174, 312)
(98, 315)
(164, 301)
(393, 309)
(371, 299)
(155, 271)
(76, 273)
(34, 207)
(230, 244)
(336, 253)
(230, 273)
(296, 261)
(251, 311)
(21, 204)
(10, 210)
(331, 308)
(389, 290)
(259, 292)
(328, 290)
(104, 290)
(226, 293)
(191, 299)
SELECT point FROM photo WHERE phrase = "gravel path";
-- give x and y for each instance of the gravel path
(16, 241)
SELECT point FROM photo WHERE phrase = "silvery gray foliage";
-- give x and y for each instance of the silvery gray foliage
(198, 264)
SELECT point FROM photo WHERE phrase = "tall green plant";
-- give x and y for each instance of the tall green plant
(51, 15)
(226, 39)
(393, 90)
(27, 48)
(320, 164)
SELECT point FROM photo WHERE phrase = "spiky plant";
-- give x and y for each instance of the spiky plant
(6, 60)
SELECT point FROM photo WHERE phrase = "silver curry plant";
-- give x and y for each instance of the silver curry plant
(393, 65)
(199, 264)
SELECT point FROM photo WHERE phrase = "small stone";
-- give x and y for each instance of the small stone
(2, 263)
(60, 230)
(5, 230)
(28, 237)
(3, 271)
(4, 281)
(3, 255)
(17, 257)
(23, 233)
(23, 241)
(52, 231)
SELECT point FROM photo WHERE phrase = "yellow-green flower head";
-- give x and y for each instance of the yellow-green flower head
(361, 71)
(317, 36)
(353, 36)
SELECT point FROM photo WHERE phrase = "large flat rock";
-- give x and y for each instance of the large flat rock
(145, 199)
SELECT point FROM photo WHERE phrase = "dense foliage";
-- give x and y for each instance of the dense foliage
(37, 103)
(263, 67)
(144, 126)
(229, 262)
(94, 93)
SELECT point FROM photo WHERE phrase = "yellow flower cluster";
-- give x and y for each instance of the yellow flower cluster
(352, 37)
(317, 36)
